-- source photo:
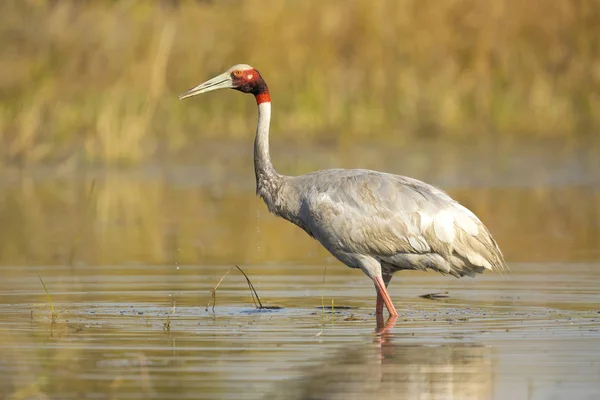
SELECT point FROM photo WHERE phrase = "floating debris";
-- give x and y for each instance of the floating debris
(435, 296)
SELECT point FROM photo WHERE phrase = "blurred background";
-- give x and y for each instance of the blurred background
(121, 207)
(497, 102)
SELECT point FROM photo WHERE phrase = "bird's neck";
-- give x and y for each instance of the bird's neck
(268, 181)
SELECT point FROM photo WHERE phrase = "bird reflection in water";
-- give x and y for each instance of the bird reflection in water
(391, 368)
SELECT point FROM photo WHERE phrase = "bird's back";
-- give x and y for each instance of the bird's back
(402, 222)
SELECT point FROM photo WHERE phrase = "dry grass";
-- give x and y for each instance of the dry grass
(253, 293)
(97, 82)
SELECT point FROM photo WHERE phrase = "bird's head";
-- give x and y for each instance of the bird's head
(240, 77)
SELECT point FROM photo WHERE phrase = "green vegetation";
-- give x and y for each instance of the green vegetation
(97, 82)
(53, 312)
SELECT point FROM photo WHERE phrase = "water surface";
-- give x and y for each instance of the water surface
(532, 335)
(129, 258)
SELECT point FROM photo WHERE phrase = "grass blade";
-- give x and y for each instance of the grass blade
(54, 313)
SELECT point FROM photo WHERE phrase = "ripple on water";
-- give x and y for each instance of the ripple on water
(151, 335)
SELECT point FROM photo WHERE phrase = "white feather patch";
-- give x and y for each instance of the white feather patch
(419, 244)
(444, 226)
(477, 259)
(426, 221)
(467, 224)
(466, 210)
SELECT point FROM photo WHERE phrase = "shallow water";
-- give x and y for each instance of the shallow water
(534, 334)
(129, 259)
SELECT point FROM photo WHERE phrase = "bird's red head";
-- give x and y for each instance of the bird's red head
(241, 77)
(248, 80)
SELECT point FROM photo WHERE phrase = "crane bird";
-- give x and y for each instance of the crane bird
(375, 221)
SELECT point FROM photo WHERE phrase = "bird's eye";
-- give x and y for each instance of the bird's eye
(237, 73)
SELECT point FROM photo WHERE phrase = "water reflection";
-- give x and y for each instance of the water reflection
(137, 216)
(530, 334)
(390, 369)
(136, 226)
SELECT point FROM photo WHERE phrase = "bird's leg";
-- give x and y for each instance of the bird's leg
(384, 328)
(383, 297)
(379, 305)
(380, 276)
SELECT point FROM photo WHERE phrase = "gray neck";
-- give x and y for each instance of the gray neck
(267, 179)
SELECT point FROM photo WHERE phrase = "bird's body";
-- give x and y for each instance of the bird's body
(375, 221)
(400, 222)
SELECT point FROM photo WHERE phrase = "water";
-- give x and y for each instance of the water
(533, 335)
(130, 265)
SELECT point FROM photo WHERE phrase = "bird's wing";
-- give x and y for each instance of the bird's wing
(384, 215)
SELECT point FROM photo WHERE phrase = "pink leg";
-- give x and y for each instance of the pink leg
(383, 297)
(379, 305)
(384, 328)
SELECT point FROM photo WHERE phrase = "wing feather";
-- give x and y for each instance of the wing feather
(391, 217)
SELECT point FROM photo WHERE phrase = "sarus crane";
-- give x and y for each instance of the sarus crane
(375, 221)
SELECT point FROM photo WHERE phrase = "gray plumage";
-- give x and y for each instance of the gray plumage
(378, 222)
(399, 222)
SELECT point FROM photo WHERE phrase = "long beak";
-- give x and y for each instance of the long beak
(222, 81)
